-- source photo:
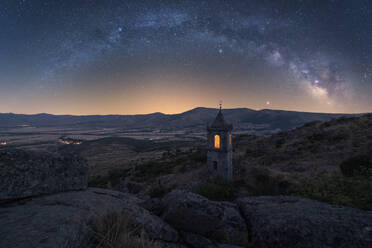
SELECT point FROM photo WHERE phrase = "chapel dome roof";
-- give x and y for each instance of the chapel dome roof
(220, 123)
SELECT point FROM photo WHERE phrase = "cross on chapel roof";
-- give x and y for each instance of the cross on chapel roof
(219, 122)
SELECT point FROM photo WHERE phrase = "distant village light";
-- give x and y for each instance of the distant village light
(69, 141)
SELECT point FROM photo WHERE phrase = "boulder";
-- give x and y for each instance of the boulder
(55, 220)
(196, 241)
(25, 173)
(228, 246)
(164, 244)
(154, 205)
(220, 222)
(287, 221)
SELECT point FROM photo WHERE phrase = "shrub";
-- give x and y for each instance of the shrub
(158, 191)
(217, 191)
(111, 180)
(338, 137)
(279, 142)
(199, 156)
(316, 137)
(311, 123)
(357, 166)
(264, 184)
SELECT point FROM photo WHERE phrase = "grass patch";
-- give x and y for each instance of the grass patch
(333, 189)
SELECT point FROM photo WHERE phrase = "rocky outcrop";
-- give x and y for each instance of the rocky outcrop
(24, 174)
(53, 220)
(204, 223)
(302, 223)
(181, 219)
(189, 220)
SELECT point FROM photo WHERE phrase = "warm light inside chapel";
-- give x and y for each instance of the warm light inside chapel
(216, 141)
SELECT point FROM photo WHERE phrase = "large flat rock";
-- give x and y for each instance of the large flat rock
(50, 221)
(25, 173)
(288, 222)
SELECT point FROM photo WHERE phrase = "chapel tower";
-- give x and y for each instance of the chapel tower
(219, 156)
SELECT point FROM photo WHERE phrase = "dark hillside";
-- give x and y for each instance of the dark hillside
(316, 145)
(328, 161)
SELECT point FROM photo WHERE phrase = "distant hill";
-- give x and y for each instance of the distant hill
(198, 117)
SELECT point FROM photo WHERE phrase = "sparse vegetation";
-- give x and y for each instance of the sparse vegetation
(335, 189)
(217, 190)
(114, 230)
(117, 231)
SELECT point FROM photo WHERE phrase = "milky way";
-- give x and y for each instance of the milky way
(84, 57)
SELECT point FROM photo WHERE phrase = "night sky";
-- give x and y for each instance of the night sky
(129, 57)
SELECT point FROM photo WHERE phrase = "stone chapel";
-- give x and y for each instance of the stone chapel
(219, 155)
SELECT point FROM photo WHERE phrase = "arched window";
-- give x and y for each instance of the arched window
(217, 143)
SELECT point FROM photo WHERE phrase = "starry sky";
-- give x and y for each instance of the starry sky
(129, 57)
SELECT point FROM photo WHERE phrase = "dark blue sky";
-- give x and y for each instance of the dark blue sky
(88, 57)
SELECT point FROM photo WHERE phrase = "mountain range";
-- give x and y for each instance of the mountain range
(197, 117)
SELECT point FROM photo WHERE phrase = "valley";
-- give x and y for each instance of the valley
(153, 161)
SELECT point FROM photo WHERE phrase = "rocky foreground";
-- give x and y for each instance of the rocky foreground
(42, 218)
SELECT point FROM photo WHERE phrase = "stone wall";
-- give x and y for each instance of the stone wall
(224, 164)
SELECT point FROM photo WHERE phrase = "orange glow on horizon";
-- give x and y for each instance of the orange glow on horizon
(168, 96)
